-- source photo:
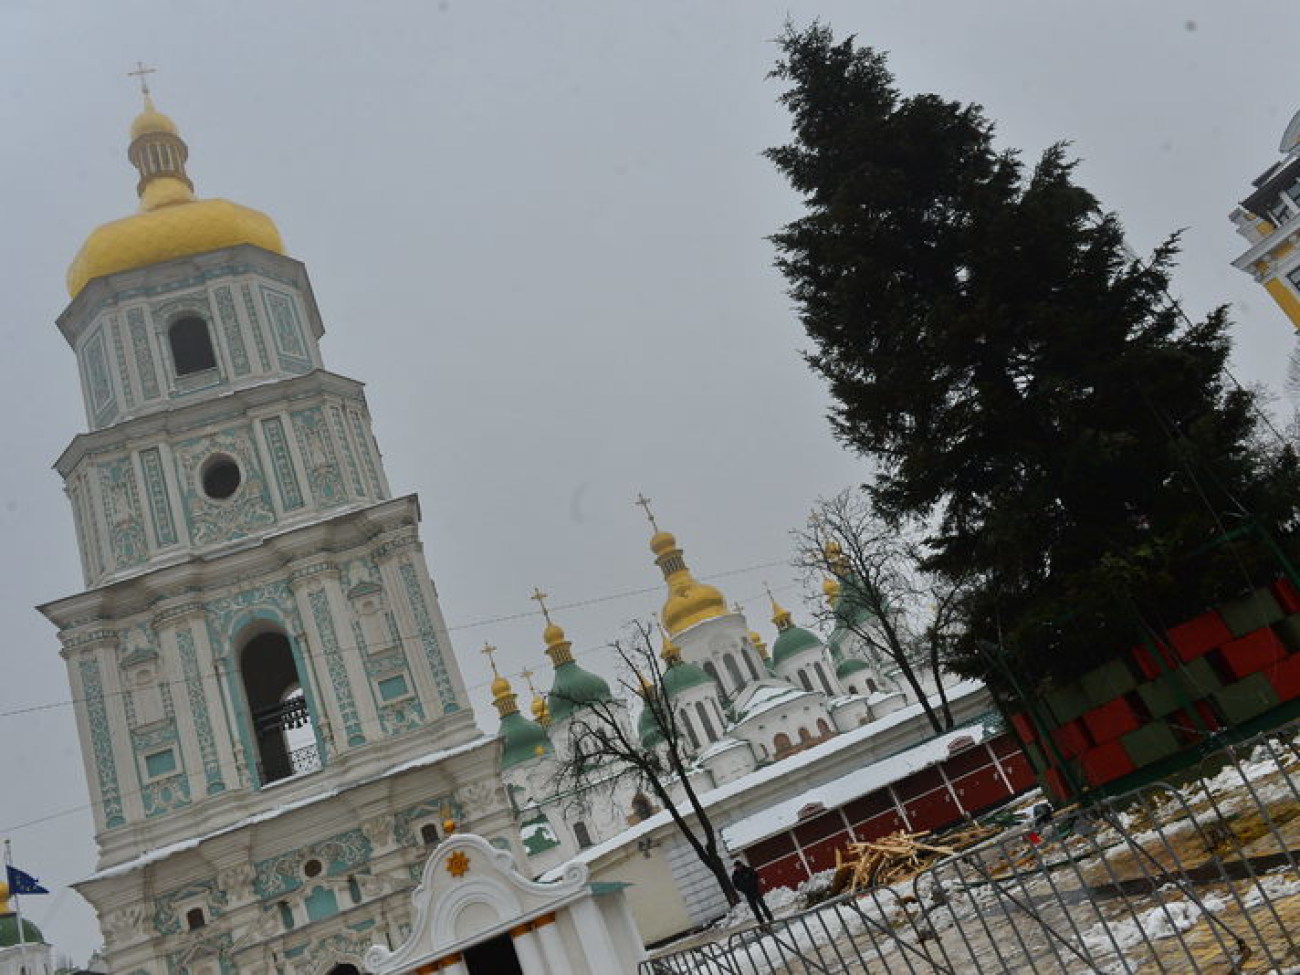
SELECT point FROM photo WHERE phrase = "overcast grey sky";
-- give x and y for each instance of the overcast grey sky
(536, 231)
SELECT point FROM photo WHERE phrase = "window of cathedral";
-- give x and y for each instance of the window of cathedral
(730, 663)
(805, 736)
(286, 915)
(690, 730)
(282, 723)
(312, 868)
(160, 763)
(581, 834)
(803, 679)
(822, 678)
(429, 834)
(748, 653)
(871, 685)
(823, 728)
(712, 671)
(641, 807)
(705, 723)
(780, 744)
(391, 688)
(191, 345)
(220, 476)
(194, 918)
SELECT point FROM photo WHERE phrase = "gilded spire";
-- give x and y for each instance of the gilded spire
(503, 695)
(170, 223)
(158, 152)
(831, 590)
(689, 601)
(780, 616)
(541, 714)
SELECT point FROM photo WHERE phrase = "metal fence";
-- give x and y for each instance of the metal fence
(1200, 875)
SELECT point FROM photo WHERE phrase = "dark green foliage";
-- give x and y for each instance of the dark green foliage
(1015, 375)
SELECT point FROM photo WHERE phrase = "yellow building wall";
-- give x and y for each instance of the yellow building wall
(1286, 299)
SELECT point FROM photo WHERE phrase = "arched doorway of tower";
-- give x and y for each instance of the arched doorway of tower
(344, 970)
(495, 957)
(283, 729)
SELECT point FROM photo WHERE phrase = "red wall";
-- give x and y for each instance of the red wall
(942, 795)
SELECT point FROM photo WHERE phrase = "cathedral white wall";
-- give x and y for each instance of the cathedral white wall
(31, 959)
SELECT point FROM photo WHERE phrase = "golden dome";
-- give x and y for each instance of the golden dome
(500, 687)
(553, 634)
(689, 601)
(692, 602)
(168, 233)
(539, 708)
(171, 222)
(831, 589)
(662, 542)
(151, 120)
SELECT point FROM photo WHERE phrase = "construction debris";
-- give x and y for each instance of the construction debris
(898, 856)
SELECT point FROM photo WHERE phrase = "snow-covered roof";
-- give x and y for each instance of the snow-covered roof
(189, 843)
(767, 696)
(785, 814)
(718, 747)
(785, 767)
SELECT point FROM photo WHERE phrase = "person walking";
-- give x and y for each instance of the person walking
(746, 880)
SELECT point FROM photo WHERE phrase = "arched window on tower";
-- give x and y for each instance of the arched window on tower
(733, 671)
(582, 835)
(781, 744)
(749, 653)
(822, 678)
(704, 720)
(685, 721)
(282, 723)
(712, 671)
(641, 807)
(191, 345)
(803, 679)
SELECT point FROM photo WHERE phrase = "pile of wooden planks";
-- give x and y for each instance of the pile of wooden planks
(898, 856)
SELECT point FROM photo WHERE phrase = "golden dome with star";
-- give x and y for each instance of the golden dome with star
(171, 222)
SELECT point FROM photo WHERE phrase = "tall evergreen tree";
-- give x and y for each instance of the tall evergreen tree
(1016, 376)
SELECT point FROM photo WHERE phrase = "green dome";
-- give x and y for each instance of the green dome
(574, 687)
(648, 728)
(849, 666)
(681, 676)
(790, 641)
(9, 931)
(523, 740)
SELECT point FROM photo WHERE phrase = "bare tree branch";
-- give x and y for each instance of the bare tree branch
(603, 750)
(886, 600)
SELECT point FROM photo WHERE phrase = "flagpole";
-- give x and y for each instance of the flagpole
(18, 907)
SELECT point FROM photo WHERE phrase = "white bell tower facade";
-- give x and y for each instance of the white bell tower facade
(272, 719)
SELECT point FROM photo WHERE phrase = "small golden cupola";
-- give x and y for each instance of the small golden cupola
(689, 600)
(831, 590)
(171, 222)
(503, 696)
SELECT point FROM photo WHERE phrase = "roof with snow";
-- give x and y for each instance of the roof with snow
(768, 694)
(785, 814)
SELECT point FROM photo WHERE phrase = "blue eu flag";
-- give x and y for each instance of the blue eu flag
(23, 883)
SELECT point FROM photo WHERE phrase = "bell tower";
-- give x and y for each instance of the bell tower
(272, 720)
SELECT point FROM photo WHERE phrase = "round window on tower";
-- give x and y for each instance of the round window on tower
(220, 476)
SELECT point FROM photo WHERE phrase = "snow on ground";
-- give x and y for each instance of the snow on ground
(1162, 921)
